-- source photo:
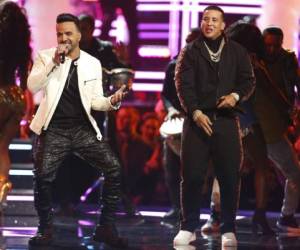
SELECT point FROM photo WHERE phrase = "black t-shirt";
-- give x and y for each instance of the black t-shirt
(69, 111)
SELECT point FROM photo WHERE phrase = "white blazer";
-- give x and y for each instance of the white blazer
(46, 76)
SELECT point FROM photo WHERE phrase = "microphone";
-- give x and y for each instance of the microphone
(62, 57)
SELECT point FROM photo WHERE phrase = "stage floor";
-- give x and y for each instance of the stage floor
(147, 232)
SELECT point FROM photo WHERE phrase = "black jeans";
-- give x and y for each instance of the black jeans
(52, 147)
(224, 148)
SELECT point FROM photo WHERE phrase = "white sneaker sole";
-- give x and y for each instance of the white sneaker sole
(229, 240)
(179, 241)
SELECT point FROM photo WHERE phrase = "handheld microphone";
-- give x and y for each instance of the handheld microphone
(62, 57)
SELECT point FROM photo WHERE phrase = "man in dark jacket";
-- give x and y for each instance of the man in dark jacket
(212, 75)
(274, 102)
(281, 64)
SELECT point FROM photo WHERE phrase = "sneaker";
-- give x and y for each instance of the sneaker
(212, 225)
(229, 240)
(184, 238)
(288, 224)
(188, 247)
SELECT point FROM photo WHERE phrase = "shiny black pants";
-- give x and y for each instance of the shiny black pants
(52, 147)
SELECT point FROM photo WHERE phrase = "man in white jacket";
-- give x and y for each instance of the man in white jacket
(71, 81)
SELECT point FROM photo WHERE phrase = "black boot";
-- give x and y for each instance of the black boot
(42, 202)
(260, 223)
(42, 237)
(129, 207)
(108, 234)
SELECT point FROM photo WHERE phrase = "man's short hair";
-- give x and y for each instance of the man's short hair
(88, 19)
(276, 31)
(217, 8)
(67, 17)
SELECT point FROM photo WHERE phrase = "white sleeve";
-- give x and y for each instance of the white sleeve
(99, 101)
(39, 74)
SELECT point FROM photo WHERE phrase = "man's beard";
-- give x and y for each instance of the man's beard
(71, 49)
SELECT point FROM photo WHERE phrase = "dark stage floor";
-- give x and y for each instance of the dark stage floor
(145, 233)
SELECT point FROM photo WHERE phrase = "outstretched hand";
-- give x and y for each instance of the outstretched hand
(119, 95)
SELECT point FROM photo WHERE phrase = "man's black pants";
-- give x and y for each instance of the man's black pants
(52, 147)
(224, 149)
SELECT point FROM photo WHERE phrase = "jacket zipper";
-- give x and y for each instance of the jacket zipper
(89, 80)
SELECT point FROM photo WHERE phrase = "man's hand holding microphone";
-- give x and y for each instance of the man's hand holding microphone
(60, 53)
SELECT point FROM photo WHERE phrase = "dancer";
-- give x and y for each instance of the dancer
(15, 57)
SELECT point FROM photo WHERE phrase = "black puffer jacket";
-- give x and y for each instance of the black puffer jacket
(200, 84)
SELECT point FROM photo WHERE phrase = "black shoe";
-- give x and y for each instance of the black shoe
(108, 234)
(132, 212)
(172, 214)
(288, 224)
(260, 223)
(43, 237)
(129, 207)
